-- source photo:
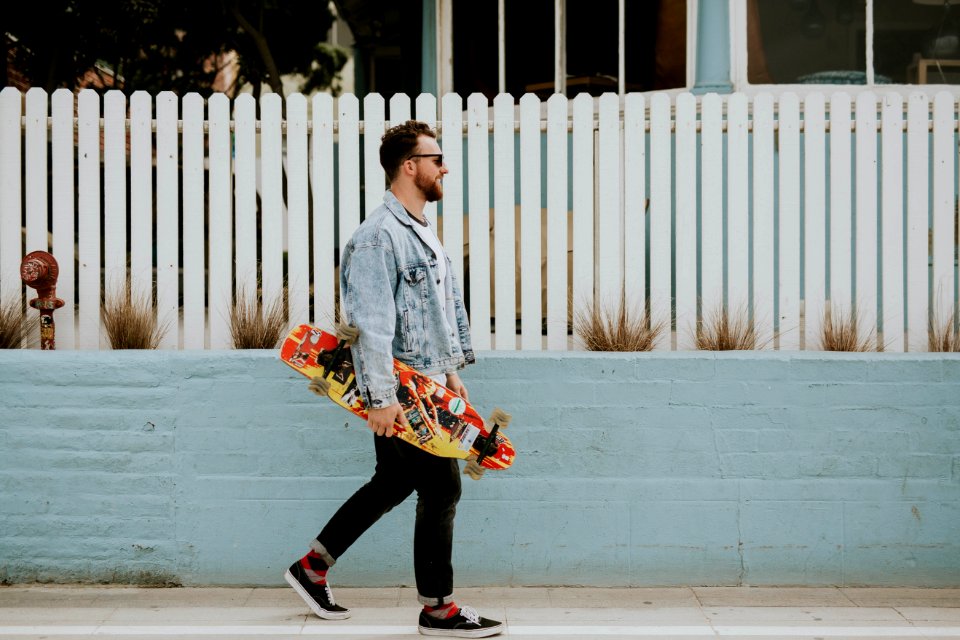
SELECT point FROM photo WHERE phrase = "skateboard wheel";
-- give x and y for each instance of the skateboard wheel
(500, 417)
(473, 469)
(347, 333)
(319, 386)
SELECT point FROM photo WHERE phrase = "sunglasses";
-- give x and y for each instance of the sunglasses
(437, 157)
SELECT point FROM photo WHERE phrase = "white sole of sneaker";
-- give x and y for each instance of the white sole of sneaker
(316, 608)
(460, 633)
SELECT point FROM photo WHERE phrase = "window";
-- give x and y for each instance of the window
(654, 46)
(852, 42)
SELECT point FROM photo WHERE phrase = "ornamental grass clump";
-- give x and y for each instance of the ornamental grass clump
(944, 336)
(130, 321)
(255, 325)
(618, 329)
(13, 323)
(725, 330)
(841, 331)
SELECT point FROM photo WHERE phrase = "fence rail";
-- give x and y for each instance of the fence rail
(780, 208)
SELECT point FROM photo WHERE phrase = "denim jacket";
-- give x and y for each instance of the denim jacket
(388, 287)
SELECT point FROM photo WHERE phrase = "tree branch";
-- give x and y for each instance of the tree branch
(263, 48)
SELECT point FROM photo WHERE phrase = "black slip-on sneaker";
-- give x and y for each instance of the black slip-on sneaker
(467, 623)
(318, 597)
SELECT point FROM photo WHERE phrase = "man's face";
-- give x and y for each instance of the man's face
(430, 168)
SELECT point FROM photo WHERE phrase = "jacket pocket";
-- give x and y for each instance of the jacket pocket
(415, 280)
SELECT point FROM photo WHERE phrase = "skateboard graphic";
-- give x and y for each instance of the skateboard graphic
(441, 422)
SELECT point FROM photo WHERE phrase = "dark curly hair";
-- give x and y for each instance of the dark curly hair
(399, 142)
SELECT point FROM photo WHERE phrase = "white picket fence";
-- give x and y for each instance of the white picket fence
(777, 205)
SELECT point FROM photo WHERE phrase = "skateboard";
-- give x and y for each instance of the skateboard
(441, 422)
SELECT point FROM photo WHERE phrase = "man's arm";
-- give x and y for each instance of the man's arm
(367, 287)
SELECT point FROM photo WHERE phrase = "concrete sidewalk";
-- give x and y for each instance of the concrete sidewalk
(33, 612)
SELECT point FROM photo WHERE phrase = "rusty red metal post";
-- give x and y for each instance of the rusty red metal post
(39, 270)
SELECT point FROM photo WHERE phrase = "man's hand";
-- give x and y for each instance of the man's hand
(381, 421)
(455, 384)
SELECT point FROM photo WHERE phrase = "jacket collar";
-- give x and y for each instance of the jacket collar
(396, 208)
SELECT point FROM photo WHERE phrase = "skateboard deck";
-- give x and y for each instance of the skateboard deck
(441, 422)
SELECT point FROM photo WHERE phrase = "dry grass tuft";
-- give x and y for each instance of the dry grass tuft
(620, 329)
(255, 326)
(130, 320)
(13, 324)
(944, 337)
(725, 330)
(841, 331)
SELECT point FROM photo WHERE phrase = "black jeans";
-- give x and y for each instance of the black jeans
(402, 469)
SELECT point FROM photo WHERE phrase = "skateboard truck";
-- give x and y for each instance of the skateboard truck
(347, 335)
(499, 418)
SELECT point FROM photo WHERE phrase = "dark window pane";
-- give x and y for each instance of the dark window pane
(916, 41)
(806, 41)
(475, 66)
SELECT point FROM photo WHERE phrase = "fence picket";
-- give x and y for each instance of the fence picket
(738, 207)
(451, 141)
(63, 189)
(221, 222)
(88, 216)
(918, 227)
(867, 213)
(661, 203)
(944, 201)
(635, 203)
(324, 240)
(583, 292)
(530, 240)
(478, 203)
(168, 227)
(609, 244)
(841, 209)
(348, 187)
(245, 207)
(764, 300)
(271, 199)
(788, 285)
(399, 109)
(11, 194)
(194, 227)
(686, 223)
(141, 196)
(115, 194)
(504, 221)
(711, 208)
(558, 217)
(35, 158)
(892, 212)
(298, 225)
(814, 257)
(374, 125)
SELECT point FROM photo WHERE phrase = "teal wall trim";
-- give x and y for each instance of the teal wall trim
(713, 48)
(428, 70)
(218, 468)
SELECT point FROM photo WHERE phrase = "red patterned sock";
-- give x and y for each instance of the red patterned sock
(442, 612)
(314, 568)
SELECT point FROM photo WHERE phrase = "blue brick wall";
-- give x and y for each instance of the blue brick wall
(637, 469)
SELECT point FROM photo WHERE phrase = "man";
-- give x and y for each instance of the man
(398, 289)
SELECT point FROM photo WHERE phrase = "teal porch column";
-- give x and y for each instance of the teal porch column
(713, 47)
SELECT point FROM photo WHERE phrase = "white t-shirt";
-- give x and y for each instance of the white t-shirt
(425, 232)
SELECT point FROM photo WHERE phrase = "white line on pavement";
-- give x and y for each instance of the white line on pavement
(512, 630)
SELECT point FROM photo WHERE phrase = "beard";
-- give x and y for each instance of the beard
(432, 190)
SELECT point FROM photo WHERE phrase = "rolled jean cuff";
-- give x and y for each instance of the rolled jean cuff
(435, 602)
(322, 550)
